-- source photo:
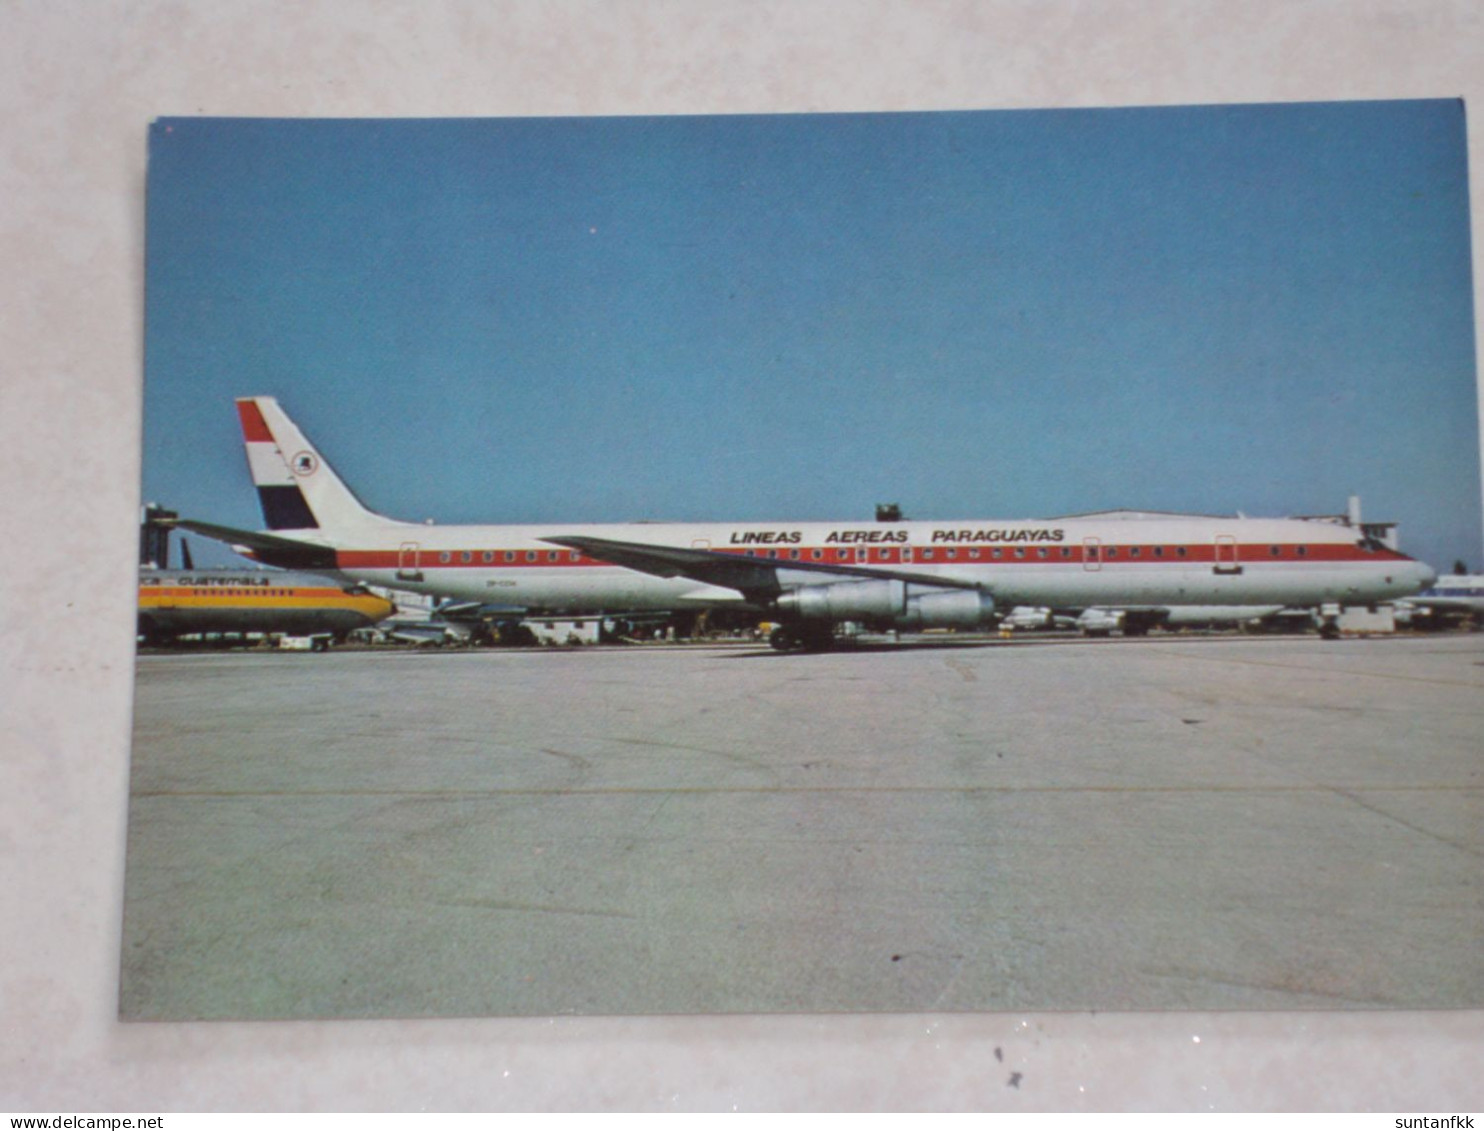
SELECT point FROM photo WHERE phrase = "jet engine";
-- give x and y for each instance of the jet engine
(948, 608)
(846, 600)
(889, 603)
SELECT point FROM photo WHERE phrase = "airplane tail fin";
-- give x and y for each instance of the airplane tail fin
(297, 489)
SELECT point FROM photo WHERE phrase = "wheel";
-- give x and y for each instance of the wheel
(817, 637)
(803, 638)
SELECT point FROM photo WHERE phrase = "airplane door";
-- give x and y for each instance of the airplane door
(1092, 554)
(1226, 554)
(408, 560)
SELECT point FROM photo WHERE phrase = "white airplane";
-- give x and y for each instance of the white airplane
(1460, 594)
(1138, 622)
(1134, 622)
(806, 577)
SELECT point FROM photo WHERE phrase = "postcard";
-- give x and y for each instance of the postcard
(954, 561)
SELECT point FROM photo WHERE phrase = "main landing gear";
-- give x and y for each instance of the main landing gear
(803, 637)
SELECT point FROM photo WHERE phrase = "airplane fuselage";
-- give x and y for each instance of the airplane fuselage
(1455, 593)
(176, 603)
(1059, 563)
(808, 577)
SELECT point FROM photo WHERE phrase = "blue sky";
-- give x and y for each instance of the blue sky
(983, 314)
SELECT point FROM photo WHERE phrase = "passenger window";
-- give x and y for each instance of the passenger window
(974, 554)
(1020, 551)
(1303, 551)
(488, 556)
(530, 555)
(466, 556)
(510, 555)
(1041, 552)
(1180, 551)
(445, 557)
(1274, 551)
(1134, 553)
(817, 555)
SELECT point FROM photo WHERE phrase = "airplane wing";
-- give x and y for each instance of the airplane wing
(754, 577)
(271, 549)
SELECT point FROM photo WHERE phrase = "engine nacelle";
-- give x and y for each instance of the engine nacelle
(951, 608)
(846, 600)
(889, 603)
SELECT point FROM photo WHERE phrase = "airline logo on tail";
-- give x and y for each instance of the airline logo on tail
(296, 488)
(283, 503)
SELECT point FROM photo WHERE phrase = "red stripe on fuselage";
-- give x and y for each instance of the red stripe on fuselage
(254, 427)
(1109, 556)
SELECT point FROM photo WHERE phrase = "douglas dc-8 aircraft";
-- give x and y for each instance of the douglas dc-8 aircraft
(808, 577)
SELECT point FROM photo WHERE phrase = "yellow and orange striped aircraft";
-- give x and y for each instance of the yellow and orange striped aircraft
(176, 603)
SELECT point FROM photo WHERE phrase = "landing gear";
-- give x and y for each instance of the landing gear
(802, 637)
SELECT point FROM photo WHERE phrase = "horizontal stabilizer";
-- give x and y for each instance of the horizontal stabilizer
(271, 549)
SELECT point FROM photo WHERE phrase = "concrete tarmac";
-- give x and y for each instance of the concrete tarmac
(1165, 823)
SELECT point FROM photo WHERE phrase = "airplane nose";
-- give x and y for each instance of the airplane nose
(1426, 575)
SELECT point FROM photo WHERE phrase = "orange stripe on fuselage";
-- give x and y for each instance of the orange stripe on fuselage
(216, 597)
